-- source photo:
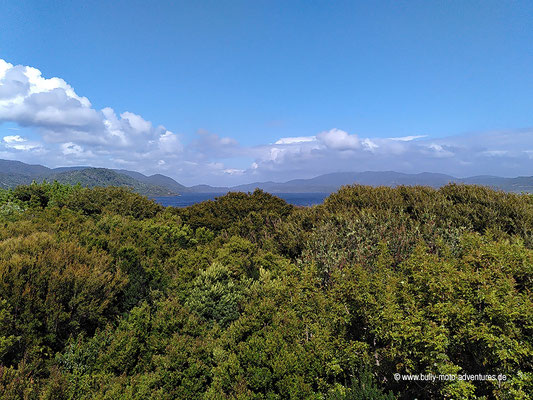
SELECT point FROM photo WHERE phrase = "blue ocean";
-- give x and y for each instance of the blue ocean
(188, 199)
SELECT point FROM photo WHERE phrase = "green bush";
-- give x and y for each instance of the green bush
(106, 295)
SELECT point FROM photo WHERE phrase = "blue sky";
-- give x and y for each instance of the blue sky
(223, 84)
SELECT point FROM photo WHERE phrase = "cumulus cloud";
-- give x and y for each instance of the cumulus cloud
(31, 100)
(337, 139)
(369, 144)
(296, 139)
(73, 149)
(70, 126)
(169, 143)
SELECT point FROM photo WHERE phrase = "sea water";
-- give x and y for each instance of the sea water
(188, 199)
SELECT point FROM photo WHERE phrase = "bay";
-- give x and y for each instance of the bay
(188, 199)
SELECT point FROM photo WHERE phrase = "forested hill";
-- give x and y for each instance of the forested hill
(92, 177)
(104, 294)
(14, 173)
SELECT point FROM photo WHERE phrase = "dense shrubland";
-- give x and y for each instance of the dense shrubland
(106, 295)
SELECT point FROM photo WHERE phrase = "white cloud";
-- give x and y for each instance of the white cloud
(67, 122)
(369, 144)
(339, 140)
(137, 123)
(297, 139)
(438, 150)
(31, 100)
(17, 142)
(170, 143)
(71, 148)
(13, 139)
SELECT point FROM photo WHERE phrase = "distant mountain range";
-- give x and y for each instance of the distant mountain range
(14, 173)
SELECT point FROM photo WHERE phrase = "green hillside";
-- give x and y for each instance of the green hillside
(14, 173)
(157, 179)
(92, 177)
(20, 168)
(12, 180)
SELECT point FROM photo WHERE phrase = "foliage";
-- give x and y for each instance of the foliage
(228, 210)
(50, 291)
(106, 295)
(214, 296)
(362, 388)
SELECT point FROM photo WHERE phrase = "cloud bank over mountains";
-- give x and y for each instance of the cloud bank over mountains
(55, 126)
